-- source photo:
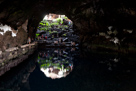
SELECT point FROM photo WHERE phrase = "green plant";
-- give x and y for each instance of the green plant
(55, 23)
(50, 58)
(64, 34)
(37, 35)
(61, 22)
(65, 17)
(38, 57)
(42, 23)
(45, 23)
(58, 20)
(55, 31)
(50, 32)
(65, 26)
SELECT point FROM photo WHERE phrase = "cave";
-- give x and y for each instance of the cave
(98, 23)
(56, 30)
(106, 44)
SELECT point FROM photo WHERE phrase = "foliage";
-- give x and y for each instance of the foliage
(54, 23)
(51, 58)
(43, 28)
(59, 20)
(38, 57)
(64, 34)
(65, 17)
(50, 32)
(37, 35)
(46, 25)
(55, 31)
(46, 63)
(65, 26)
(42, 23)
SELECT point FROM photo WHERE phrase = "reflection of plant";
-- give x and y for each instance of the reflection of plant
(58, 65)
(38, 57)
(64, 34)
(50, 58)
(55, 31)
(65, 55)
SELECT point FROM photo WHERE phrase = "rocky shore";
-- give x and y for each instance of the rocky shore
(13, 56)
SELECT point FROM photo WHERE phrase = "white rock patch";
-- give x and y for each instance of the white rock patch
(110, 27)
(129, 31)
(6, 28)
(101, 34)
(115, 40)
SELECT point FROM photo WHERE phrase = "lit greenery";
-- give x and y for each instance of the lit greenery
(55, 23)
(50, 32)
(46, 63)
(65, 17)
(55, 31)
(45, 25)
(37, 35)
(64, 34)
(58, 20)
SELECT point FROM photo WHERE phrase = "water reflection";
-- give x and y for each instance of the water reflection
(111, 63)
(17, 79)
(97, 72)
(56, 62)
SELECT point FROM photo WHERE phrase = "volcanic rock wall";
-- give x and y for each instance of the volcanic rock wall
(90, 18)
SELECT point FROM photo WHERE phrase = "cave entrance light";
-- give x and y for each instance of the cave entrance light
(56, 30)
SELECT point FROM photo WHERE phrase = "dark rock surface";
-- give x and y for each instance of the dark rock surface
(13, 56)
(89, 17)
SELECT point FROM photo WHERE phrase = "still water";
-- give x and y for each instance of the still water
(68, 69)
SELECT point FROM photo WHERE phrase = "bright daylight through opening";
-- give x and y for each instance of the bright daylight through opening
(56, 31)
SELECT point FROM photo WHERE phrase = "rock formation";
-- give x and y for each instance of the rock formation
(89, 17)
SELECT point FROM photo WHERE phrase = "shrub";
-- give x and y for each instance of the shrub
(37, 35)
(64, 34)
(65, 17)
(55, 23)
(55, 31)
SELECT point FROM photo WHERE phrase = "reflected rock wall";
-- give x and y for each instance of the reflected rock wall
(19, 77)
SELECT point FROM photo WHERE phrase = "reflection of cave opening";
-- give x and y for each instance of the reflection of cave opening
(56, 62)
(56, 30)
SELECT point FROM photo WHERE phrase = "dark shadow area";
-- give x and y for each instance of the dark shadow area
(90, 71)
(17, 79)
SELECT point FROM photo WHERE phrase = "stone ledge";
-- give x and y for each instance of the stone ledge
(13, 56)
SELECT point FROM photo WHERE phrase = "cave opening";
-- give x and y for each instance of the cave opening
(104, 61)
(56, 30)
